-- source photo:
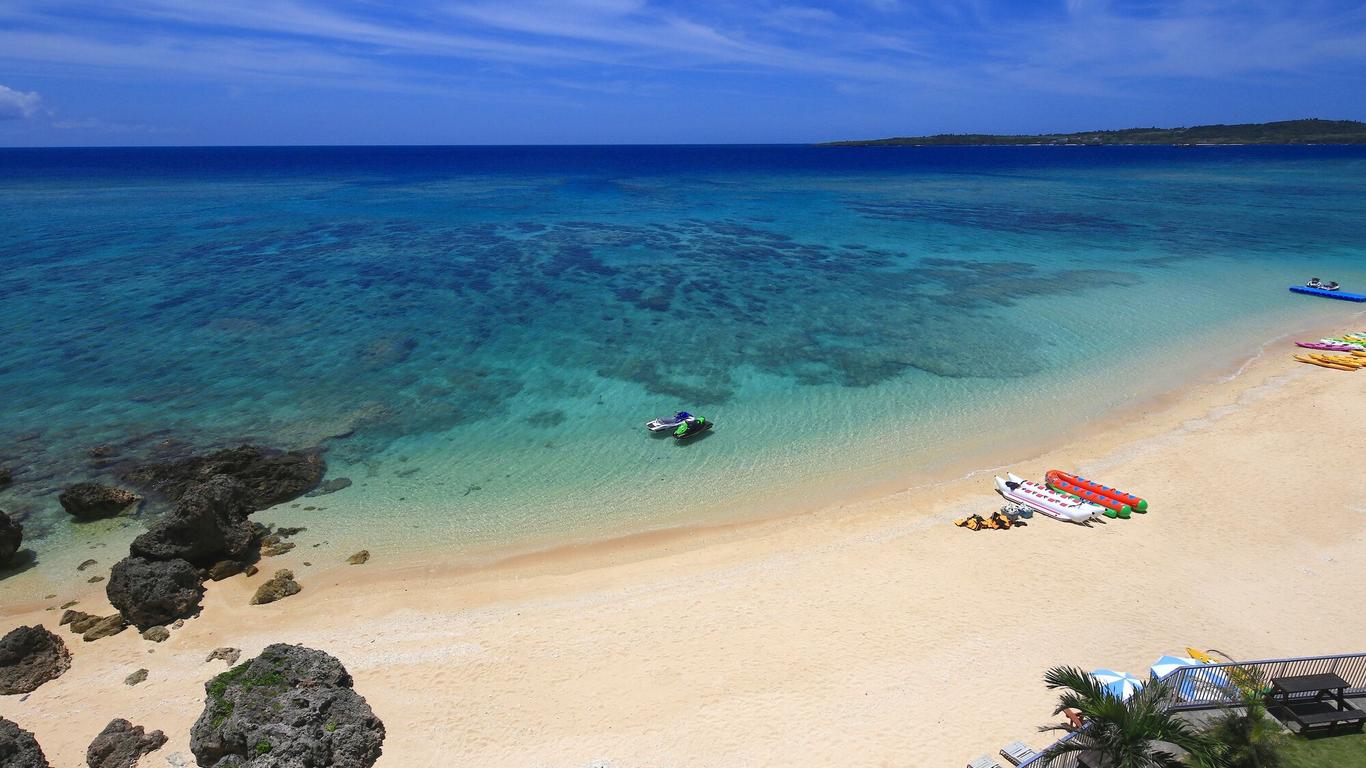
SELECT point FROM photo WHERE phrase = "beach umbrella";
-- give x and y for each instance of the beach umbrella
(1198, 683)
(1165, 665)
(1121, 684)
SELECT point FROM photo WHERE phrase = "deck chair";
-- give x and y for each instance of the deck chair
(984, 762)
(1017, 752)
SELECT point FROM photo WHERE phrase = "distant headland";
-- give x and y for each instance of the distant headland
(1311, 131)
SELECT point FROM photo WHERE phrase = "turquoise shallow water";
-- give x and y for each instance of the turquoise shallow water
(475, 336)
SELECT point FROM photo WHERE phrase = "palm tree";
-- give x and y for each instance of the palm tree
(1122, 733)
(1248, 735)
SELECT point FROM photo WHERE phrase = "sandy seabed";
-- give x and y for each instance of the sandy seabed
(871, 633)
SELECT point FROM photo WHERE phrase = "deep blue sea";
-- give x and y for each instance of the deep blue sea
(476, 335)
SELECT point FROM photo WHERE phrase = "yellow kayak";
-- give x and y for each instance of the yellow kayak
(1347, 360)
(1323, 364)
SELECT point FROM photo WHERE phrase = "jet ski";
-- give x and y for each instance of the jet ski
(667, 423)
(691, 427)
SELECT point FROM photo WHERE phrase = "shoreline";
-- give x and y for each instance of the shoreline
(809, 638)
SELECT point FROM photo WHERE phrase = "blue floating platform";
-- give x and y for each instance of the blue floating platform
(1341, 295)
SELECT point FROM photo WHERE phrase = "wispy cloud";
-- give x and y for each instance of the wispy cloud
(960, 47)
(17, 105)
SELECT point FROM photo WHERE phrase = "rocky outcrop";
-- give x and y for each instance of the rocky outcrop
(230, 655)
(290, 706)
(157, 634)
(92, 627)
(11, 536)
(154, 592)
(6, 477)
(136, 677)
(79, 621)
(29, 657)
(271, 477)
(93, 501)
(18, 749)
(224, 569)
(106, 627)
(121, 744)
(278, 587)
(360, 558)
(208, 524)
(330, 486)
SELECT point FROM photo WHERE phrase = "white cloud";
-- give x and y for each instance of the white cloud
(17, 105)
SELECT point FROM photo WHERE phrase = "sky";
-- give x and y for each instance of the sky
(243, 72)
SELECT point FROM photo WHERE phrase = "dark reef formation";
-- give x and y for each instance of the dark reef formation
(94, 501)
(29, 657)
(121, 744)
(11, 537)
(270, 476)
(153, 593)
(290, 707)
(18, 748)
(208, 524)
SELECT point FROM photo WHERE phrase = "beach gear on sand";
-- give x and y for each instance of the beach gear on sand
(1199, 655)
(1325, 363)
(1112, 507)
(1041, 499)
(1093, 492)
(1017, 752)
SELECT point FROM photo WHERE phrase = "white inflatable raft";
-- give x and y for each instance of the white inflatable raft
(1045, 501)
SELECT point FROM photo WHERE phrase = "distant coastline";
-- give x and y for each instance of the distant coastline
(1311, 131)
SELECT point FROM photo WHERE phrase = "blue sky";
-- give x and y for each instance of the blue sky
(128, 72)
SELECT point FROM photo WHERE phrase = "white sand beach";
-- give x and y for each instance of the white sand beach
(872, 633)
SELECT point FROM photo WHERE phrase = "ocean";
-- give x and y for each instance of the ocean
(476, 336)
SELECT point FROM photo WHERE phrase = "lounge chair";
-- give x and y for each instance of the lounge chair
(984, 762)
(1017, 752)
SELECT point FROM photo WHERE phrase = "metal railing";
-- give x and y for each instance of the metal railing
(1215, 686)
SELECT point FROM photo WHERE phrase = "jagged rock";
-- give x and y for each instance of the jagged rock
(177, 624)
(80, 621)
(149, 592)
(230, 655)
(330, 486)
(291, 706)
(278, 587)
(285, 532)
(121, 744)
(68, 604)
(360, 558)
(276, 547)
(11, 536)
(18, 748)
(92, 501)
(87, 564)
(251, 570)
(271, 477)
(224, 569)
(156, 634)
(208, 524)
(136, 677)
(29, 657)
(94, 580)
(6, 477)
(105, 627)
